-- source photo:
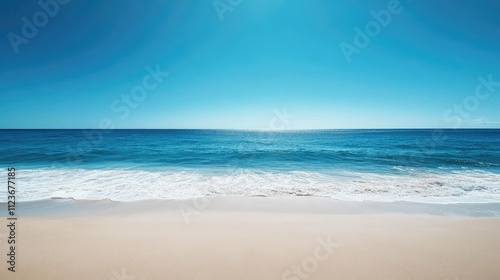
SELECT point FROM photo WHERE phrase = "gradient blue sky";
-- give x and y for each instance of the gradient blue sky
(265, 55)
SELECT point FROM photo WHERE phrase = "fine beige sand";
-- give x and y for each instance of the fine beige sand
(203, 240)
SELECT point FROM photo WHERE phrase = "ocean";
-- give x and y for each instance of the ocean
(431, 166)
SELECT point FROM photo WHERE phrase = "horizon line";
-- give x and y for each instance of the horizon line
(263, 130)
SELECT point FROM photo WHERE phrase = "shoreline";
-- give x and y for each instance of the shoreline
(285, 204)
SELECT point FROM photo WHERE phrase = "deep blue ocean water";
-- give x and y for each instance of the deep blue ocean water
(442, 166)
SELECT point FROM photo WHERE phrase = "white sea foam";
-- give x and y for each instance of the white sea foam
(128, 185)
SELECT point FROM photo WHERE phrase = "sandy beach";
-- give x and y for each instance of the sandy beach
(248, 238)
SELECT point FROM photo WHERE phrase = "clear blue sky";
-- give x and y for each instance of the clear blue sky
(236, 68)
